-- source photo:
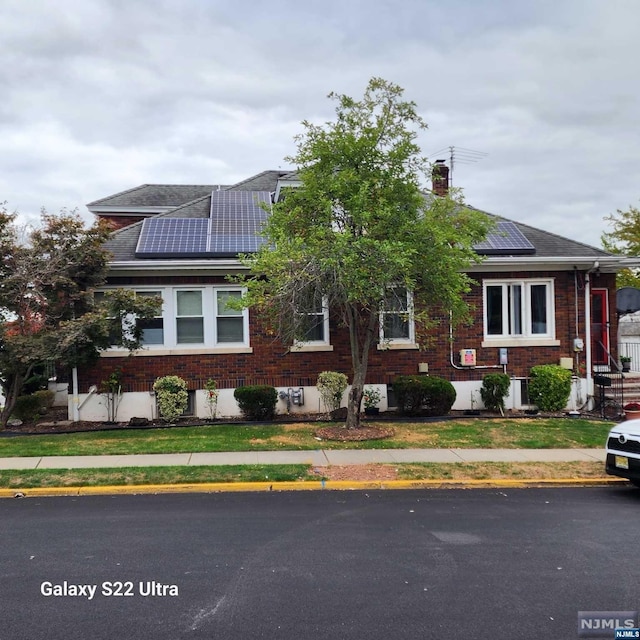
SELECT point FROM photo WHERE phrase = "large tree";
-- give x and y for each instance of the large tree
(48, 313)
(359, 229)
(624, 239)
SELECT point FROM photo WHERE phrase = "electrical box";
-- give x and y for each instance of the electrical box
(423, 367)
(504, 355)
(566, 363)
(468, 357)
(578, 344)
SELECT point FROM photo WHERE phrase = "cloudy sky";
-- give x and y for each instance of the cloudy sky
(540, 100)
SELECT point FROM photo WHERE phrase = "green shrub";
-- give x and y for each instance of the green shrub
(331, 385)
(423, 395)
(46, 398)
(28, 408)
(550, 387)
(257, 402)
(495, 388)
(172, 396)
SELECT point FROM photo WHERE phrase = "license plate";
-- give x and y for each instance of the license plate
(622, 462)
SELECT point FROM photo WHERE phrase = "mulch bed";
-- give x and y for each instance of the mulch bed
(342, 434)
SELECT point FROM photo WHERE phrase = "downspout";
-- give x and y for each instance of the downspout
(587, 328)
(75, 401)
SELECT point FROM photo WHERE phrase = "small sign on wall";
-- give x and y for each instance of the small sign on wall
(468, 357)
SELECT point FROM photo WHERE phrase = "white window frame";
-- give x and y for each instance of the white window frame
(526, 337)
(202, 315)
(243, 314)
(410, 340)
(326, 341)
(169, 316)
(158, 291)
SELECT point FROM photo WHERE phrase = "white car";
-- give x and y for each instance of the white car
(623, 451)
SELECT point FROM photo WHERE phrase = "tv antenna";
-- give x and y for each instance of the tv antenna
(460, 155)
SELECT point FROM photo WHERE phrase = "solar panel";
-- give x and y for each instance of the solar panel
(505, 239)
(166, 237)
(234, 226)
(236, 221)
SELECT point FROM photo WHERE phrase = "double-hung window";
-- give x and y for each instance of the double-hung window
(152, 328)
(189, 317)
(230, 323)
(518, 309)
(396, 317)
(314, 321)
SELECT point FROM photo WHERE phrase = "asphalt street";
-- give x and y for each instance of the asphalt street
(481, 564)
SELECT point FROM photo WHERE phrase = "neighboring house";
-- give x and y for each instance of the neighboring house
(539, 299)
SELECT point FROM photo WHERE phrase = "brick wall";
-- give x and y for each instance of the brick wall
(272, 363)
(119, 222)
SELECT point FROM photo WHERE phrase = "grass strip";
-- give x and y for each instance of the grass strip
(501, 470)
(131, 476)
(464, 434)
(34, 478)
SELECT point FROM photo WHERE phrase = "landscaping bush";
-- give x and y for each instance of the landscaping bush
(550, 387)
(423, 395)
(331, 386)
(257, 402)
(172, 396)
(28, 408)
(495, 388)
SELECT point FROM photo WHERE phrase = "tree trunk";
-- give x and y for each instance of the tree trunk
(12, 391)
(361, 332)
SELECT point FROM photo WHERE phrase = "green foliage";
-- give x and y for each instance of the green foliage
(550, 387)
(111, 389)
(257, 402)
(171, 392)
(371, 397)
(359, 225)
(47, 308)
(28, 408)
(46, 399)
(424, 395)
(624, 239)
(494, 390)
(211, 390)
(331, 385)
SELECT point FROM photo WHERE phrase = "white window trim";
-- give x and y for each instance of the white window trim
(399, 343)
(241, 314)
(174, 323)
(169, 318)
(316, 345)
(527, 338)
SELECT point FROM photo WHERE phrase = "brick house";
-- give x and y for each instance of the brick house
(539, 298)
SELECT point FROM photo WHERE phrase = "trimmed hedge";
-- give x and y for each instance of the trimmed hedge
(257, 402)
(28, 408)
(550, 387)
(423, 395)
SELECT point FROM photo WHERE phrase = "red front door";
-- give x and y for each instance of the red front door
(600, 326)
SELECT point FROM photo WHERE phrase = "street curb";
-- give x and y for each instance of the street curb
(311, 485)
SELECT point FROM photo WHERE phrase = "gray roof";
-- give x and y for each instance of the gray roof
(122, 243)
(550, 245)
(155, 195)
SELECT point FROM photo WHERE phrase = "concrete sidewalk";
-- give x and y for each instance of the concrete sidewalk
(318, 458)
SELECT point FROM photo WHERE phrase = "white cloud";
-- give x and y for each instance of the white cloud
(101, 95)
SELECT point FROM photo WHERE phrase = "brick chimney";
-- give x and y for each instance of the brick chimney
(440, 178)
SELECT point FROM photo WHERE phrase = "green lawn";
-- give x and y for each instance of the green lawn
(468, 433)
(136, 476)
(126, 476)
